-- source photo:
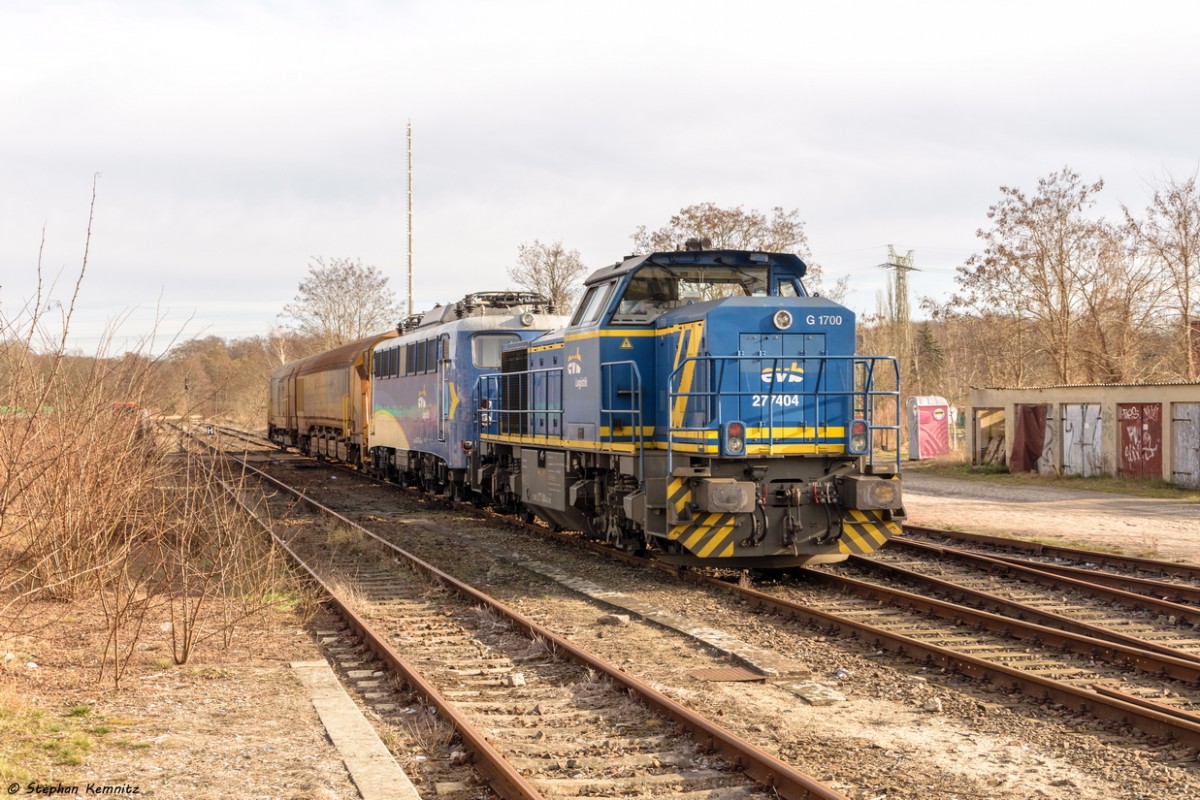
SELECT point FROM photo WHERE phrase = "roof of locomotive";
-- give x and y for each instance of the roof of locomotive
(784, 262)
(479, 304)
(512, 322)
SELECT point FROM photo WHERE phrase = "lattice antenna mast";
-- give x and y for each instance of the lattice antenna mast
(410, 221)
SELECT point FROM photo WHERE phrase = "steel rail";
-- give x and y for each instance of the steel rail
(504, 779)
(1146, 702)
(1183, 613)
(1178, 569)
(1172, 665)
(1100, 706)
(1020, 611)
(1104, 708)
(1177, 592)
(761, 767)
(1114, 709)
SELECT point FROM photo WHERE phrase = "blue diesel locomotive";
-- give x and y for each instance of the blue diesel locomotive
(701, 405)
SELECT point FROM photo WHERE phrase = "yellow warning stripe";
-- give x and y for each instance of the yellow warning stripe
(723, 535)
(865, 531)
(792, 432)
(690, 335)
(679, 493)
(630, 446)
(711, 538)
(858, 545)
(700, 531)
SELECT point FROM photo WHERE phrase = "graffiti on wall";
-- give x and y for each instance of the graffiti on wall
(1140, 425)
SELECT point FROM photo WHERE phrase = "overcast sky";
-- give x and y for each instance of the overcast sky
(235, 141)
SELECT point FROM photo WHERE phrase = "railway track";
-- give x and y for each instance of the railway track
(1082, 685)
(538, 715)
(1055, 553)
(1080, 600)
(1073, 670)
(1168, 580)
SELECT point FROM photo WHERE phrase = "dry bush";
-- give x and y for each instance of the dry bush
(93, 510)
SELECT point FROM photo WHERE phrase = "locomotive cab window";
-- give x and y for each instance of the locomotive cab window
(655, 289)
(486, 348)
(649, 293)
(593, 304)
(789, 287)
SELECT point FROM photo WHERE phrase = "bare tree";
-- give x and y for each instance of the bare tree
(548, 269)
(737, 229)
(1170, 234)
(1121, 294)
(1040, 254)
(341, 301)
(727, 229)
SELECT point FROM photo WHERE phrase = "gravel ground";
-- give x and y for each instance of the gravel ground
(902, 732)
(231, 723)
(237, 723)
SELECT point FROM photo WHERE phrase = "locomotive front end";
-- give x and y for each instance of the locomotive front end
(700, 405)
(774, 429)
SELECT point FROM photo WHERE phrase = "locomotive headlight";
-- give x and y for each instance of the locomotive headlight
(871, 492)
(884, 494)
(725, 495)
(782, 319)
(733, 439)
(859, 437)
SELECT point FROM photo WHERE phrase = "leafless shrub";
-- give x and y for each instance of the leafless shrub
(93, 510)
(213, 567)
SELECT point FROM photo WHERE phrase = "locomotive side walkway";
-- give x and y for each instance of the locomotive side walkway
(1158, 528)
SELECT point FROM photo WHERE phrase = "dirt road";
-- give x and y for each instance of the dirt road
(1142, 526)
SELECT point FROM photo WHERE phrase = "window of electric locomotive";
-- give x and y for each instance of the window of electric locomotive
(486, 348)
(594, 302)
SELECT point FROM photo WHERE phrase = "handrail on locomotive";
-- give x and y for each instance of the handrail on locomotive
(863, 397)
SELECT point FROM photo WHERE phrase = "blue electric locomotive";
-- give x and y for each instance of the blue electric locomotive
(424, 382)
(699, 403)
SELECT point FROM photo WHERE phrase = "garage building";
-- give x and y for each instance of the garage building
(1127, 430)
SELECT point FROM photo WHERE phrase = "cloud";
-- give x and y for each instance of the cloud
(237, 140)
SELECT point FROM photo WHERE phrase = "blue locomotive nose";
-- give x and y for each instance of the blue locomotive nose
(754, 361)
(769, 392)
